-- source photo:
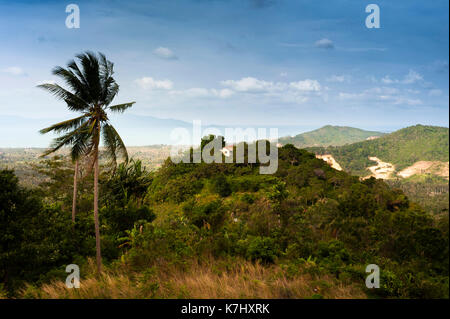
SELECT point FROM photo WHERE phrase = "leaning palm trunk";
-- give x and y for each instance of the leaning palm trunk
(96, 221)
(75, 186)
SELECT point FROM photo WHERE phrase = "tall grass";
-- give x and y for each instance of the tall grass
(206, 279)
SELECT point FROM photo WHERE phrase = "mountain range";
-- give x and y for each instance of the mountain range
(426, 147)
(330, 136)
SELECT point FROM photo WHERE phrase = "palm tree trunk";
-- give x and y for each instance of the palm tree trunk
(75, 185)
(96, 221)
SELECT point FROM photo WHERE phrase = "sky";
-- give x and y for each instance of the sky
(269, 63)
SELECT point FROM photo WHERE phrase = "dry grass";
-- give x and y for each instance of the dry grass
(211, 279)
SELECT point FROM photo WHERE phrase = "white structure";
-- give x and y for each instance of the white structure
(227, 150)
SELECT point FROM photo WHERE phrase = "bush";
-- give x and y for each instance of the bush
(119, 219)
(248, 198)
(264, 249)
(210, 215)
(221, 186)
(36, 239)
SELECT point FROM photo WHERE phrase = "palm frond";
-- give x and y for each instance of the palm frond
(72, 65)
(113, 143)
(74, 103)
(73, 81)
(80, 146)
(65, 125)
(91, 72)
(65, 140)
(110, 143)
(111, 93)
(109, 86)
(121, 107)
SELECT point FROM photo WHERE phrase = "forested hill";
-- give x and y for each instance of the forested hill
(401, 148)
(329, 135)
(312, 228)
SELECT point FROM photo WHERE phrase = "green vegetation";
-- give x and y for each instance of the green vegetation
(401, 148)
(329, 135)
(223, 230)
(430, 191)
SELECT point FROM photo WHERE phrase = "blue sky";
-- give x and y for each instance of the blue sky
(270, 63)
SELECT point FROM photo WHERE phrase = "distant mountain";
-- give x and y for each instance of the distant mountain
(137, 130)
(401, 148)
(330, 136)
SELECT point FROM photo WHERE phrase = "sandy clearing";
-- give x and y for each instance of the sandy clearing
(383, 170)
(426, 167)
(330, 161)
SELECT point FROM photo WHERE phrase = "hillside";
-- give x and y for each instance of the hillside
(226, 231)
(401, 148)
(329, 135)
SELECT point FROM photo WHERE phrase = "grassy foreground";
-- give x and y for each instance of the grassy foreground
(207, 279)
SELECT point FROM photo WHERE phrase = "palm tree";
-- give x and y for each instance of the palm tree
(92, 89)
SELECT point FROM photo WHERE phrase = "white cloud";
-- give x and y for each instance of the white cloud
(14, 70)
(248, 84)
(407, 101)
(165, 53)
(149, 83)
(386, 94)
(412, 77)
(337, 78)
(192, 92)
(247, 87)
(435, 92)
(223, 93)
(253, 85)
(388, 80)
(324, 44)
(203, 93)
(382, 90)
(347, 96)
(306, 85)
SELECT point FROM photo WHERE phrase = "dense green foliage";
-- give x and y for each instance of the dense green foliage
(36, 239)
(401, 148)
(329, 135)
(307, 217)
(430, 191)
(307, 214)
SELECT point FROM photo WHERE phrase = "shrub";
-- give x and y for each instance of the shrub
(221, 186)
(264, 249)
(210, 215)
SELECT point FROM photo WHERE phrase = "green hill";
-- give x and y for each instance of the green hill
(226, 231)
(329, 135)
(401, 148)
